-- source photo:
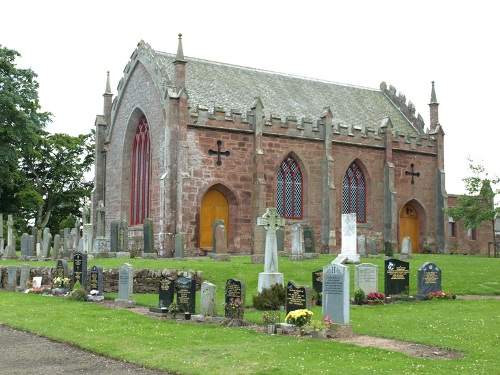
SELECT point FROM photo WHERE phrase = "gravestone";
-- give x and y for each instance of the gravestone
(149, 239)
(309, 246)
(25, 275)
(62, 270)
(11, 278)
(406, 249)
(297, 243)
(96, 278)
(317, 285)
(186, 294)
(113, 236)
(373, 249)
(280, 240)
(270, 221)
(66, 241)
(397, 276)
(47, 241)
(123, 236)
(166, 294)
(87, 236)
(235, 295)
(31, 246)
(366, 277)
(349, 238)
(57, 247)
(220, 246)
(336, 293)
(125, 285)
(76, 239)
(214, 232)
(208, 299)
(24, 244)
(298, 297)
(362, 246)
(429, 279)
(80, 269)
(179, 245)
(10, 252)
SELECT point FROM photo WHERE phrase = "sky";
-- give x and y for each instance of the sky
(72, 45)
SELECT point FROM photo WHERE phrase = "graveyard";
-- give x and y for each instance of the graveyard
(467, 326)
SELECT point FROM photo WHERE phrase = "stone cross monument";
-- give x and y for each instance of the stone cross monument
(270, 221)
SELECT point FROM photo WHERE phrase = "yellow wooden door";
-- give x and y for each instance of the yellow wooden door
(408, 227)
(214, 206)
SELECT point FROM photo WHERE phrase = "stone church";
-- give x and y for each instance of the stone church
(187, 141)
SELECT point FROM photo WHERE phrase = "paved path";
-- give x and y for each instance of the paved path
(23, 353)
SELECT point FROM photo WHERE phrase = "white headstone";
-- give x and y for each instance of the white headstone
(366, 277)
(349, 238)
(406, 248)
(208, 299)
(336, 293)
(297, 242)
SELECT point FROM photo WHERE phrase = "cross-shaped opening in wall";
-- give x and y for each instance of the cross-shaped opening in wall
(218, 152)
(412, 173)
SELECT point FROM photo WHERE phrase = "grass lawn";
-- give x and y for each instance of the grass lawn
(470, 326)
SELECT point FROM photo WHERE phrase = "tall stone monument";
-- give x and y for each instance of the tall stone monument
(349, 239)
(270, 221)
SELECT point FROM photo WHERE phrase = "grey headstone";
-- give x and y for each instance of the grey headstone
(214, 231)
(362, 246)
(113, 239)
(220, 239)
(429, 279)
(280, 240)
(24, 243)
(123, 236)
(335, 301)
(11, 275)
(372, 247)
(31, 246)
(87, 236)
(208, 299)
(126, 283)
(47, 241)
(179, 245)
(57, 246)
(366, 277)
(147, 226)
(25, 275)
(67, 241)
(309, 246)
(297, 242)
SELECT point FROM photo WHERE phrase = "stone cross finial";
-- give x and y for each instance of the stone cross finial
(271, 221)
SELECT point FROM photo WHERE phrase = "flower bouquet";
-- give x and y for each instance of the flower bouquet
(299, 317)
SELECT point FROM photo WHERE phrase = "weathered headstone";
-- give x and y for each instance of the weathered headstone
(25, 275)
(214, 234)
(297, 243)
(397, 276)
(47, 242)
(126, 285)
(349, 238)
(309, 246)
(24, 244)
(10, 252)
(31, 246)
(362, 246)
(179, 245)
(147, 226)
(220, 239)
(208, 299)
(235, 296)
(373, 249)
(80, 269)
(67, 240)
(366, 277)
(298, 297)
(270, 221)
(76, 239)
(123, 236)
(57, 247)
(280, 240)
(406, 248)
(186, 294)
(429, 279)
(11, 277)
(113, 236)
(87, 238)
(336, 293)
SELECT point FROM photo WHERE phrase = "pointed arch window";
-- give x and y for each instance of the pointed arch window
(354, 193)
(289, 190)
(140, 173)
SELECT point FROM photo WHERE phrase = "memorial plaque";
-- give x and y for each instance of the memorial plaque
(309, 239)
(80, 269)
(429, 279)
(297, 297)
(235, 295)
(186, 294)
(397, 276)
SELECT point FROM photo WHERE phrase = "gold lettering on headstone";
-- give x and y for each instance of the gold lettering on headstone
(165, 284)
(399, 273)
(297, 297)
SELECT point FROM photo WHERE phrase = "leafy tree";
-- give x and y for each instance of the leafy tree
(479, 204)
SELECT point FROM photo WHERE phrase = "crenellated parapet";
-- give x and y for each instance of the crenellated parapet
(407, 109)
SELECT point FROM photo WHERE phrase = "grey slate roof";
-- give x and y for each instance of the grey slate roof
(210, 84)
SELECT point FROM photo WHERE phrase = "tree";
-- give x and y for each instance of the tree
(479, 204)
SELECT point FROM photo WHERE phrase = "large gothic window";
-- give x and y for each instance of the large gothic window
(354, 193)
(140, 174)
(289, 190)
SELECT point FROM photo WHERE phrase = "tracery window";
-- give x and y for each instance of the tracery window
(140, 174)
(289, 190)
(354, 193)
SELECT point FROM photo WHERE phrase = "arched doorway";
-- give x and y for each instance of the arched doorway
(214, 206)
(408, 226)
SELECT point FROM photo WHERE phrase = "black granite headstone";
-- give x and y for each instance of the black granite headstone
(166, 294)
(317, 285)
(429, 279)
(309, 239)
(96, 279)
(297, 297)
(235, 298)
(397, 276)
(62, 268)
(186, 294)
(80, 269)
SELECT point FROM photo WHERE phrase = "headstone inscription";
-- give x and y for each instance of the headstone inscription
(62, 270)
(429, 279)
(208, 299)
(126, 285)
(317, 285)
(166, 294)
(235, 298)
(80, 269)
(270, 221)
(309, 246)
(349, 238)
(186, 294)
(366, 277)
(336, 293)
(298, 297)
(397, 276)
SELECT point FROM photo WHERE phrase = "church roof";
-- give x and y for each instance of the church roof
(211, 84)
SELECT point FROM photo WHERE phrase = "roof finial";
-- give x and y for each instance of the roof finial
(108, 85)
(180, 53)
(433, 94)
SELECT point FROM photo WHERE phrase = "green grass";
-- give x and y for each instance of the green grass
(471, 326)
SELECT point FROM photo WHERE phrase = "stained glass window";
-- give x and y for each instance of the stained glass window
(354, 193)
(289, 190)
